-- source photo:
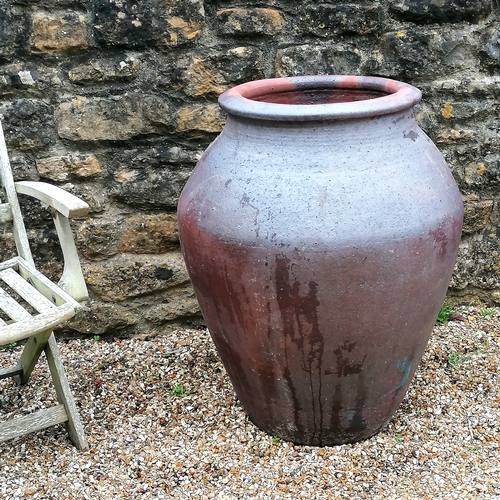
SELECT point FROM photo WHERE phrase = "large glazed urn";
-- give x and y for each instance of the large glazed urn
(320, 231)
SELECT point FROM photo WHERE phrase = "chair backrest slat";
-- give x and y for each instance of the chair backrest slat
(9, 188)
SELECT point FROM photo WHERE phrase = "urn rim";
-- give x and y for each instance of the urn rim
(254, 99)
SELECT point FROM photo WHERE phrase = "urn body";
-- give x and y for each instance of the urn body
(320, 232)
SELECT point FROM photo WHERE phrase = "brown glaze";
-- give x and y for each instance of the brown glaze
(320, 253)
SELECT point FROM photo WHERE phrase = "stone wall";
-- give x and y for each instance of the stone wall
(115, 100)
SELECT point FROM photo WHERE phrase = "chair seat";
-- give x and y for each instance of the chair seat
(30, 302)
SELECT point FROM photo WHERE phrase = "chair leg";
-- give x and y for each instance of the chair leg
(31, 353)
(66, 411)
(64, 395)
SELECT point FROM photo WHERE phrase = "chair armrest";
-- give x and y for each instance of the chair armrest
(55, 197)
(64, 205)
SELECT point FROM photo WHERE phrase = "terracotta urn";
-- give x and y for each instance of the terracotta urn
(320, 231)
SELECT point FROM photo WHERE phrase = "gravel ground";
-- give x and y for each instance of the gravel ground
(162, 421)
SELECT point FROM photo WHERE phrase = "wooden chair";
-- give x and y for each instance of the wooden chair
(31, 305)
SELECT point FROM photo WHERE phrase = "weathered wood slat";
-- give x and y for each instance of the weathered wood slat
(72, 280)
(10, 307)
(63, 391)
(45, 286)
(27, 291)
(62, 201)
(19, 230)
(32, 423)
(31, 353)
(47, 321)
(27, 325)
(14, 263)
(13, 371)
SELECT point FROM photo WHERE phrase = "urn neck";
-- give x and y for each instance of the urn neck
(312, 98)
(315, 133)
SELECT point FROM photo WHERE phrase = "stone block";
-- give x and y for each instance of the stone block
(46, 251)
(14, 29)
(441, 11)
(418, 53)
(152, 157)
(467, 85)
(58, 32)
(101, 318)
(34, 78)
(147, 187)
(129, 276)
(465, 111)
(184, 21)
(104, 71)
(133, 24)
(249, 21)
(495, 213)
(211, 72)
(453, 136)
(92, 192)
(23, 167)
(61, 168)
(149, 234)
(118, 118)
(55, 169)
(84, 165)
(42, 235)
(478, 264)
(463, 267)
(149, 177)
(317, 59)
(28, 124)
(200, 119)
(54, 3)
(177, 303)
(490, 49)
(126, 24)
(476, 213)
(97, 238)
(458, 156)
(483, 173)
(326, 20)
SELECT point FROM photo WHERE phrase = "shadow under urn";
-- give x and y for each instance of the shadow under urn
(320, 231)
